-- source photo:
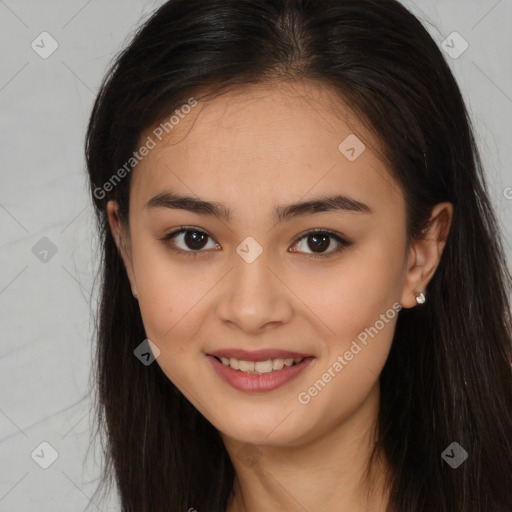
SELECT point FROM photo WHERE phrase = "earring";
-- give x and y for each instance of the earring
(420, 297)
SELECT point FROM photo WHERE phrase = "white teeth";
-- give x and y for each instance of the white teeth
(259, 366)
(277, 364)
(263, 366)
(246, 366)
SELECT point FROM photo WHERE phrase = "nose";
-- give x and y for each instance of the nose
(252, 299)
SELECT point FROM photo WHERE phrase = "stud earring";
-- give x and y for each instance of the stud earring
(420, 297)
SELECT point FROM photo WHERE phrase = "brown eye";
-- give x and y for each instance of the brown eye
(318, 242)
(189, 240)
(195, 239)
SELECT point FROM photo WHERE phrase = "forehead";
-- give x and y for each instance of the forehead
(262, 143)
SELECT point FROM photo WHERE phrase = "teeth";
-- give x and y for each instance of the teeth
(245, 366)
(277, 364)
(263, 366)
(259, 367)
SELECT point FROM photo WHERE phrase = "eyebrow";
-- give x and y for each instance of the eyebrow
(281, 213)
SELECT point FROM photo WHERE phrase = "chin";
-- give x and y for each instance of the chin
(284, 429)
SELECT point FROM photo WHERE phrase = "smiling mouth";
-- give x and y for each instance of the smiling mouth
(259, 371)
(259, 367)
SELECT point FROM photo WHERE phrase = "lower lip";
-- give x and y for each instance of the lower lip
(254, 383)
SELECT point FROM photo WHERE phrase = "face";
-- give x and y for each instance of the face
(250, 277)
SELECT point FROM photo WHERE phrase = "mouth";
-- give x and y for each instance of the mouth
(258, 367)
(258, 361)
(258, 371)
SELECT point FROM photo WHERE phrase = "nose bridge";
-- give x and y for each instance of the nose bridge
(252, 296)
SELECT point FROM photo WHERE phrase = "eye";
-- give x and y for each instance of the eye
(192, 240)
(319, 241)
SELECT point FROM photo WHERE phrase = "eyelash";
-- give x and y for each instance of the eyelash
(343, 244)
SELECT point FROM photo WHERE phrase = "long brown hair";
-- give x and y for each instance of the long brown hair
(448, 376)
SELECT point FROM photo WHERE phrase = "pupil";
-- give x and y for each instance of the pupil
(320, 242)
(195, 240)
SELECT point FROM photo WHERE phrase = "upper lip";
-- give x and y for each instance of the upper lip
(257, 355)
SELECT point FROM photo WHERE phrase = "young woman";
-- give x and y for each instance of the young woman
(304, 297)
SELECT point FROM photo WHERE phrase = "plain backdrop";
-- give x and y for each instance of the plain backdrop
(48, 245)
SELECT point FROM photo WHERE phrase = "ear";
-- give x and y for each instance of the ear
(425, 254)
(121, 237)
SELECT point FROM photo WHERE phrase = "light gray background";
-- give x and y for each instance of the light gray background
(45, 307)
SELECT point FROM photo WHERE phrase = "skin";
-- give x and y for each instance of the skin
(252, 149)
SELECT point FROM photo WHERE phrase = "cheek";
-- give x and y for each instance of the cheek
(358, 306)
(353, 294)
(170, 305)
(169, 295)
